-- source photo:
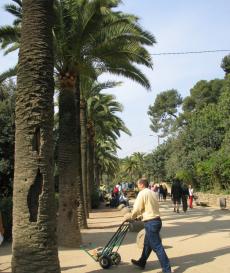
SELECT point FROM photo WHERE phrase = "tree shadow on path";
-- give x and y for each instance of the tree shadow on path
(193, 260)
(72, 267)
(180, 264)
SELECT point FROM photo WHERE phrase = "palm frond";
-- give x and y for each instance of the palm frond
(12, 48)
(129, 71)
(8, 74)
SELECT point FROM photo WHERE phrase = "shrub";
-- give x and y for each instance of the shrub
(95, 199)
(6, 206)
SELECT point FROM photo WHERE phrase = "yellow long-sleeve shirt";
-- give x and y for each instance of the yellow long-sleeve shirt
(145, 205)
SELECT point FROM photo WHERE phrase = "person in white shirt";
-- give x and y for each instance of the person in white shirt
(118, 186)
(1, 229)
(123, 199)
(146, 205)
(190, 190)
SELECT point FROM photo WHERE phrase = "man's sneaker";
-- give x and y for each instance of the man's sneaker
(138, 263)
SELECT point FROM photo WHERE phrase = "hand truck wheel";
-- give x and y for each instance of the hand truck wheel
(105, 262)
(116, 258)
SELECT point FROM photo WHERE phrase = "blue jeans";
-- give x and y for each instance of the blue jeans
(153, 242)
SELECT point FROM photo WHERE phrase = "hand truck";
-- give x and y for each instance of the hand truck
(108, 255)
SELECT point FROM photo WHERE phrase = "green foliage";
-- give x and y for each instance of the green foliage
(163, 112)
(156, 162)
(214, 172)
(7, 106)
(6, 206)
(202, 94)
(198, 152)
(132, 168)
(184, 175)
(95, 198)
(225, 65)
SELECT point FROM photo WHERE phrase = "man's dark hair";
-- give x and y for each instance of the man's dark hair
(144, 181)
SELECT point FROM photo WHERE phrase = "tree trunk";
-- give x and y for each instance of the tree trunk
(84, 153)
(90, 159)
(88, 168)
(81, 209)
(34, 219)
(68, 227)
(96, 172)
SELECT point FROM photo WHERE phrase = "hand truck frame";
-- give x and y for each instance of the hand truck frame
(108, 255)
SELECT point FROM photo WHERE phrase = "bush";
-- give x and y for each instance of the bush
(6, 206)
(95, 199)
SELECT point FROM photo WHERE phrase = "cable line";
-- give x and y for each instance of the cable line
(191, 52)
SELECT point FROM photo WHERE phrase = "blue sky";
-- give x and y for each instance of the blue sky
(178, 25)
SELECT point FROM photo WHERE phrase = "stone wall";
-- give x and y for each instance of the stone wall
(212, 199)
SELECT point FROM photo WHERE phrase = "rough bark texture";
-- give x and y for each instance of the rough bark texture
(89, 178)
(84, 153)
(96, 172)
(81, 209)
(34, 218)
(90, 158)
(68, 227)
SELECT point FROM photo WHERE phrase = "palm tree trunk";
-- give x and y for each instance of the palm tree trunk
(68, 227)
(90, 159)
(88, 169)
(81, 209)
(84, 153)
(96, 172)
(100, 175)
(34, 219)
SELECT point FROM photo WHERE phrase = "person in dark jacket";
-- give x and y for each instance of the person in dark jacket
(184, 197)
(165, 192)
(176, 194)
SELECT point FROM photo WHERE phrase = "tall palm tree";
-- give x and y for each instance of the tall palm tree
(107, 162)
(34, 219)
(100, 38)
(103, 124)
(139, 159)
(103, 39)
(89, 90)
(70, 189)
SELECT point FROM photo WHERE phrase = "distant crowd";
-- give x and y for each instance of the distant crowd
(180, 193)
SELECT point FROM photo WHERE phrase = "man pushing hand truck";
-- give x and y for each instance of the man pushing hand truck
(146, 205)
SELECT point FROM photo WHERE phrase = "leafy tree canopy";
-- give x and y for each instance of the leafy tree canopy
(164, 111)
(225, 65)
(7, 106)
(203, 93)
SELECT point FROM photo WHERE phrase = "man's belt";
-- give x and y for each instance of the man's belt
(153, 219)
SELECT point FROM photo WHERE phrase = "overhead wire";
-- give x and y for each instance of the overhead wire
(190, 52)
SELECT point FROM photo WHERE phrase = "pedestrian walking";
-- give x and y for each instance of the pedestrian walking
(165, 192)
(1, 229)
(176, 193)
(147, 206)
(190, 189)
(184, 197)
(161, 192)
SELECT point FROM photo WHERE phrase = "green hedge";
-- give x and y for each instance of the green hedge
(95, 199)
(6, 206)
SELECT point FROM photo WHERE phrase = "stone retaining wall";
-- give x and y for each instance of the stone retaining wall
(212, 199)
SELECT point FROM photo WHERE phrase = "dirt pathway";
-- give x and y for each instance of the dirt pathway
(196, 242)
